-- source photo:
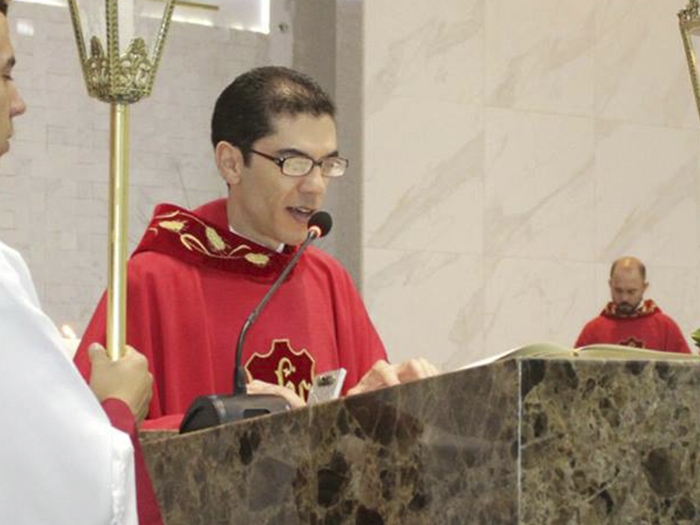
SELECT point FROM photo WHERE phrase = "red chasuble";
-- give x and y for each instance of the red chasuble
(647, 327)
(191, 285)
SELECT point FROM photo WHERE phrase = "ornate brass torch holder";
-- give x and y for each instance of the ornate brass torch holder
(120, 79)
(689, 23)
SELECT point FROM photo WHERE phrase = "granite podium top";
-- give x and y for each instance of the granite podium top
(525, 440)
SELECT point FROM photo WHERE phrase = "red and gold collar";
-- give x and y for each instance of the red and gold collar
(645, 309)
(197, 240)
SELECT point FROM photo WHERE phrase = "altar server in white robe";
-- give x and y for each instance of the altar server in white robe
(61, 460)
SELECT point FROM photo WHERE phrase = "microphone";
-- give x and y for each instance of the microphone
(212, 410)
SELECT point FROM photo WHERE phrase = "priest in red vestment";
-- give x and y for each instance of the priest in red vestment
(630, 320)
(196, 275)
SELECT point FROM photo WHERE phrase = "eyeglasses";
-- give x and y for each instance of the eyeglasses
(300, 166)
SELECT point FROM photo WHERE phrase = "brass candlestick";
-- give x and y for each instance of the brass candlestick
(689, 24)
(120, 79)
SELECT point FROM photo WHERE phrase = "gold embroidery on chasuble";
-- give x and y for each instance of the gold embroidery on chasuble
(258, 259)
(197, 236)
(284, 366)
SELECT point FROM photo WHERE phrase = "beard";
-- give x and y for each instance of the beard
(625, 308)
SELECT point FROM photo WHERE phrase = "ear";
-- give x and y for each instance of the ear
(229, 160)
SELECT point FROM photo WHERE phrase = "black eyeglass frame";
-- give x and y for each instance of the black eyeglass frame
(281, 161)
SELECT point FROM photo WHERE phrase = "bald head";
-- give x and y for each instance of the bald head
(627, 284)
(629, 264)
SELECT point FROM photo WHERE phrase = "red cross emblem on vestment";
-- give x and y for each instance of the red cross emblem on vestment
(632, 341)
(284, 366)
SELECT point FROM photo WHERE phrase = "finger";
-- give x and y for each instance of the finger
(385, 374)
(381, 374)
(96, 352)
(432, 369)
(260, 387)
(415, 369)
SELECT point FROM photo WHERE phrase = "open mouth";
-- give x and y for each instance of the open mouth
(301, 213)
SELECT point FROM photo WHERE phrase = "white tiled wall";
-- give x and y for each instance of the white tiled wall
(53, 184)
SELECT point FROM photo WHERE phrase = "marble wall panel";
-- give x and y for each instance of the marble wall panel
(640, 68)
(590, 152)
(646, 179)
(413, 52)
(539, 55)
(528, 300)
(425, 176)
(539, 186)
(426, 304)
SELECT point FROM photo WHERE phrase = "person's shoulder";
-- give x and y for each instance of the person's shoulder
(12, 262)
(329, 268)
(598, 324)
(213, 212)
(155, 265)
(11, 255)
(598, 319)
(322, 259)
(662, 316)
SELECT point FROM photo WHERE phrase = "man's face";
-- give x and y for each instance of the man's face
(627, 290)
(11, 103)
(269, 207)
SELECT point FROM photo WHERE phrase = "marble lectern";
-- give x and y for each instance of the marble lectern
(522, 441)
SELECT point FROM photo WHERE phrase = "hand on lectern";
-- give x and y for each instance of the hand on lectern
(260, 387)
(383, 374)
(127, 379)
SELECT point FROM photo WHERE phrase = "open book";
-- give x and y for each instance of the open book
(601, 352)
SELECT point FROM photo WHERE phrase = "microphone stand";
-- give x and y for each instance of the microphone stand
(213, 410)
(239, 378)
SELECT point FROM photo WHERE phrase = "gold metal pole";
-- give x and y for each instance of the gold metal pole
(689, 24)
(120, 80)
(118, 227)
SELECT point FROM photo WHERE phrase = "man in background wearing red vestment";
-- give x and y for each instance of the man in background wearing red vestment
(628, 319)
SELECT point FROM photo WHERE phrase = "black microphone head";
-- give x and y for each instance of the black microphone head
(320, 222)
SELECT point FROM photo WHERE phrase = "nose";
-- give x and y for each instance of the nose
(17, 104)
(314, 182)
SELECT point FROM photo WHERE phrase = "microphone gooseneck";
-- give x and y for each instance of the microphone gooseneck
(212, 410)
(320, 223)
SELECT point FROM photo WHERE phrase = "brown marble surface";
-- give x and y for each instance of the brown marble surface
(526, 441)
(610, 442)
(429, 452)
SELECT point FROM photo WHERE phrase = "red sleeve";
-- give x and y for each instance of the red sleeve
(142, 330)
(675, 342)
(585, 337)
(147, 505)
(358, 342)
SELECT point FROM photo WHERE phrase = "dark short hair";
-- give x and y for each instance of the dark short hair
(244, 111)
(3, 7)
